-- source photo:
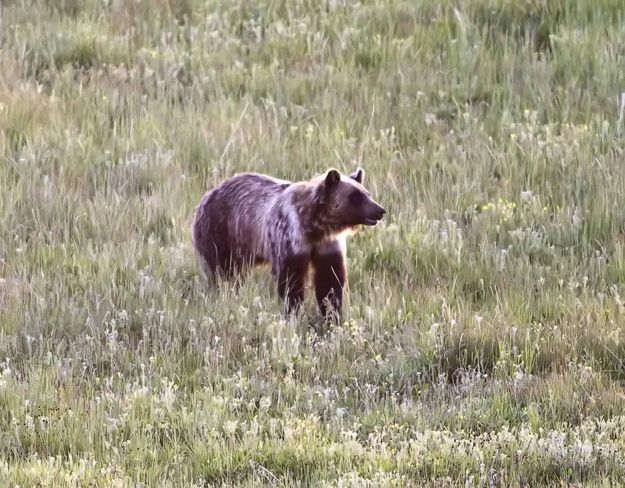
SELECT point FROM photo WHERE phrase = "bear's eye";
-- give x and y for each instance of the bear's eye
(356, 197)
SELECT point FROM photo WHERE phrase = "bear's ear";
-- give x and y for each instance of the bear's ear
(332, 178)
(358, 175)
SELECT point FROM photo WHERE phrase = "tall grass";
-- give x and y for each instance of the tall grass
(483, 342)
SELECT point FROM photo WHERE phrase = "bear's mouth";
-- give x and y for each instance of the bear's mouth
(370, 221)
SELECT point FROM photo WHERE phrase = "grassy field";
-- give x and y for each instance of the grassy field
(483, 342)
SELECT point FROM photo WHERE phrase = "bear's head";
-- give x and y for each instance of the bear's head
(347, 203)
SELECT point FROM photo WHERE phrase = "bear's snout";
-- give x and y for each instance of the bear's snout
(375, 214)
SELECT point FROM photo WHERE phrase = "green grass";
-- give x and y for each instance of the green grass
(483, 342)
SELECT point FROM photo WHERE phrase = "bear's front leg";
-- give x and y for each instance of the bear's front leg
(292, 276)
(330, 277)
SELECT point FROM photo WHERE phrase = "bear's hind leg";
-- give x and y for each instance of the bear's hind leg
(238, 265)
(207, 257)
(330, 278)
(217, 261)
(292, 277)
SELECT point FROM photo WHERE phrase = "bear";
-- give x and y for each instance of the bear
(253, 219)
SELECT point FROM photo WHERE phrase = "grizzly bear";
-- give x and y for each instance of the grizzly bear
(252, 219)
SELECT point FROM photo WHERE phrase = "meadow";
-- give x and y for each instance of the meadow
(483, 343)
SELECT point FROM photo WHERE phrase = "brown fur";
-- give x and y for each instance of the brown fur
(252, 219)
